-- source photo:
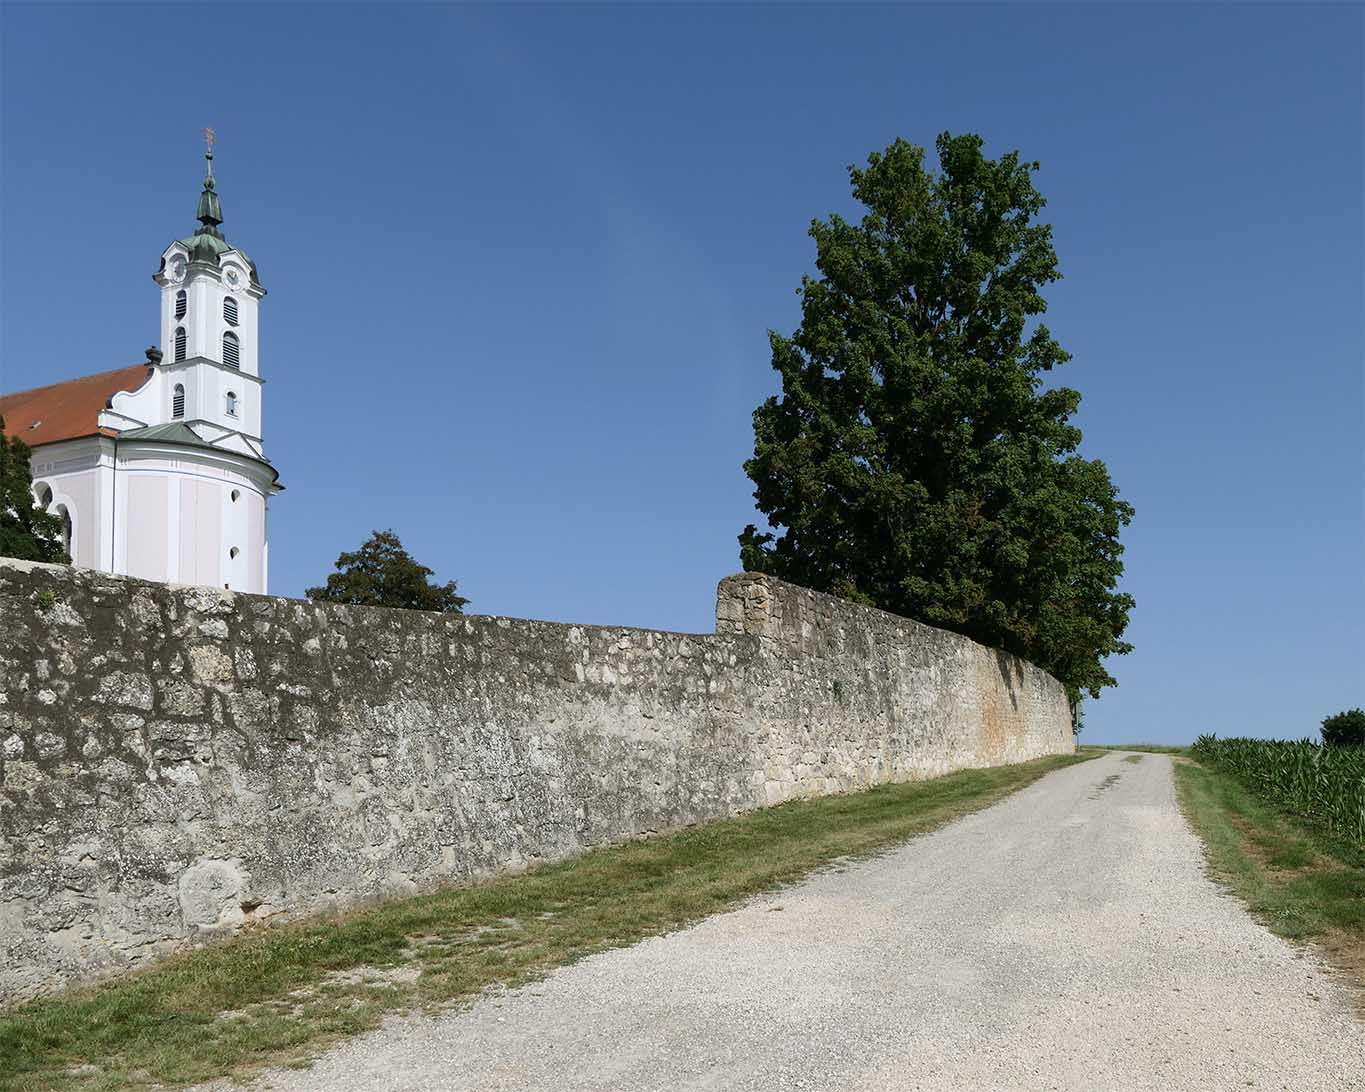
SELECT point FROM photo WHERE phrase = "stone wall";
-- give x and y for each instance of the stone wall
(176, 762)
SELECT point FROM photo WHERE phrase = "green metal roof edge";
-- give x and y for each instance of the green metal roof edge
(176, 433)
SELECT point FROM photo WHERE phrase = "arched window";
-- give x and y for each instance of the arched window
(232, 356)
(178, 401)
(181, 302)
(232, 403)
(65, 517)
(42, 495)
(230, 311)
(180, 343)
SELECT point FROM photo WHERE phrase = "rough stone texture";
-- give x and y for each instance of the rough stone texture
(177, 762)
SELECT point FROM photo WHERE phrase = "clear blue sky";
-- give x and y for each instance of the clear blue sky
(522, 262)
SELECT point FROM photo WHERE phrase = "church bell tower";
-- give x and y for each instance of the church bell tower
(210, 292)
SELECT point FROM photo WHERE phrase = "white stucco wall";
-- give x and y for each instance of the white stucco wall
(206, 384)
(255, 532)
(145, 549)
(71, 470)
(203, 321)
(199, 534)
(84, 529)
(161, 511)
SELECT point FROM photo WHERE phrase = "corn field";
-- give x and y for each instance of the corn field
(1323, 784)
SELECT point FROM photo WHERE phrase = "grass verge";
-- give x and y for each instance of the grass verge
(1300, 881)
(277, 996)
(1149, 748)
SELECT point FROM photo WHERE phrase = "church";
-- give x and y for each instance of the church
(157, 470)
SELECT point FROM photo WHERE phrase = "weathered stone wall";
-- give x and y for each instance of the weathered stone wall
(176, 762)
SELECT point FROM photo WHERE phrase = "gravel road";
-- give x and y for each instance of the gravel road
(1064, 939)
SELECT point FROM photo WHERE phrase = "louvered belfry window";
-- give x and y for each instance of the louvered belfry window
(231, 351)
(180, 343)
(178, 401)
(180, 304)
(230, 311)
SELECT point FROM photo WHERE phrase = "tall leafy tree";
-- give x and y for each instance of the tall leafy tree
(915, 459)
(26, 531)
(383, 574)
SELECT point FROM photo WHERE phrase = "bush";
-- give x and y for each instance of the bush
(1346, 729)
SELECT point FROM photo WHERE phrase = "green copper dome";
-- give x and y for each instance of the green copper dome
(204, 247)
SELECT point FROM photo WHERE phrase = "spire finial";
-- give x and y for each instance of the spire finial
(210, 213)
(210, 139)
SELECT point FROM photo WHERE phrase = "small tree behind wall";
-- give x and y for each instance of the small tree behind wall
(26, 531)
(383, 574)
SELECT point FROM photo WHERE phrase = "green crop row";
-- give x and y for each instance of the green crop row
(1323, 784)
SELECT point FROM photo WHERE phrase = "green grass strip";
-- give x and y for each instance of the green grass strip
(1300, 881)
(279, 995)
(1148, 748)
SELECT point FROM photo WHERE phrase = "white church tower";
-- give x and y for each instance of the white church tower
(159, 470)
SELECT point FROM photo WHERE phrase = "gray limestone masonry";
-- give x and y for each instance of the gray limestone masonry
(177, 763)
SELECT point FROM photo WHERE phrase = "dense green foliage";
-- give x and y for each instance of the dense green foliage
(915, 460)
(1325, 785)
(1345, 729)
(26, 531)
(383, 574)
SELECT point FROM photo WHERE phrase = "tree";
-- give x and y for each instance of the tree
(383, 574)
(1344, 729)
(915, 460)
(26, 530)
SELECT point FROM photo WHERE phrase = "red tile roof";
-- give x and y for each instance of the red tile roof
(65, 411)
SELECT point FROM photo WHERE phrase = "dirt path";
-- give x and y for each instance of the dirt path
(1064, 939)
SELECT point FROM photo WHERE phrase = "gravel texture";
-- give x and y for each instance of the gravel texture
(1066, 938)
